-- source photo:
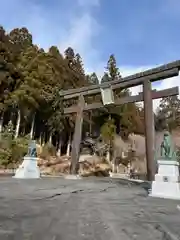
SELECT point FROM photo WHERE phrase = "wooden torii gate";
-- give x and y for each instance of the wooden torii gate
(143, 78)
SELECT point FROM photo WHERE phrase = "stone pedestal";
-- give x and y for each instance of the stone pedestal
(28, 169)
(166, 184)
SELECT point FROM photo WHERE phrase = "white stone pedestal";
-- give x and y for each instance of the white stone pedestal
(28, 169)
(166, 184)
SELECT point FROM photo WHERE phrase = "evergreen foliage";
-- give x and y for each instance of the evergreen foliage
(30, 81)
(168, 114)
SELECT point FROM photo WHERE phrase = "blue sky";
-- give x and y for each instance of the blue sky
(141, 33)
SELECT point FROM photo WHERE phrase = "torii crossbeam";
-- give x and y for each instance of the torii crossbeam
(145, 78)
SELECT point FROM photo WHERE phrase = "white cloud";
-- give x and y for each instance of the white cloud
(80, 37)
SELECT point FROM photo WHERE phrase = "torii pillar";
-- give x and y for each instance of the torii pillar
(77, 137)
(149, 130)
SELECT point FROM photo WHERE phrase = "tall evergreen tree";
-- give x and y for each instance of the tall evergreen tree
(112, 69)
(93, 79)
(20, 38)
(78, 65)
(69, 56)
(9, 74)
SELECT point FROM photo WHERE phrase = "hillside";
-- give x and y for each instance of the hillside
(31, 107)
(93, 164)
(30, 104)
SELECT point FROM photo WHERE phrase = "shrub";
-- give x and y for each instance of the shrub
(12, 150)
(47, 151)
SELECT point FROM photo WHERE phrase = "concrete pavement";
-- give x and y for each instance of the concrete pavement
(89, 209)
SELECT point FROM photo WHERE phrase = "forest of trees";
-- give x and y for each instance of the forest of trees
(168, 114)
(31, 79)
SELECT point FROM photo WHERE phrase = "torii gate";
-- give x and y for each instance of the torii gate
(143, 78)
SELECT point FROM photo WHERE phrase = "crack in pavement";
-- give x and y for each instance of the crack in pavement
(65, 193)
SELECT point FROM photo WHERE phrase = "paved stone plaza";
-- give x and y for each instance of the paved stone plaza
(90, 209)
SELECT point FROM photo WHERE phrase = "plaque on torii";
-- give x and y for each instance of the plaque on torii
(107, 95)
(106, 89)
